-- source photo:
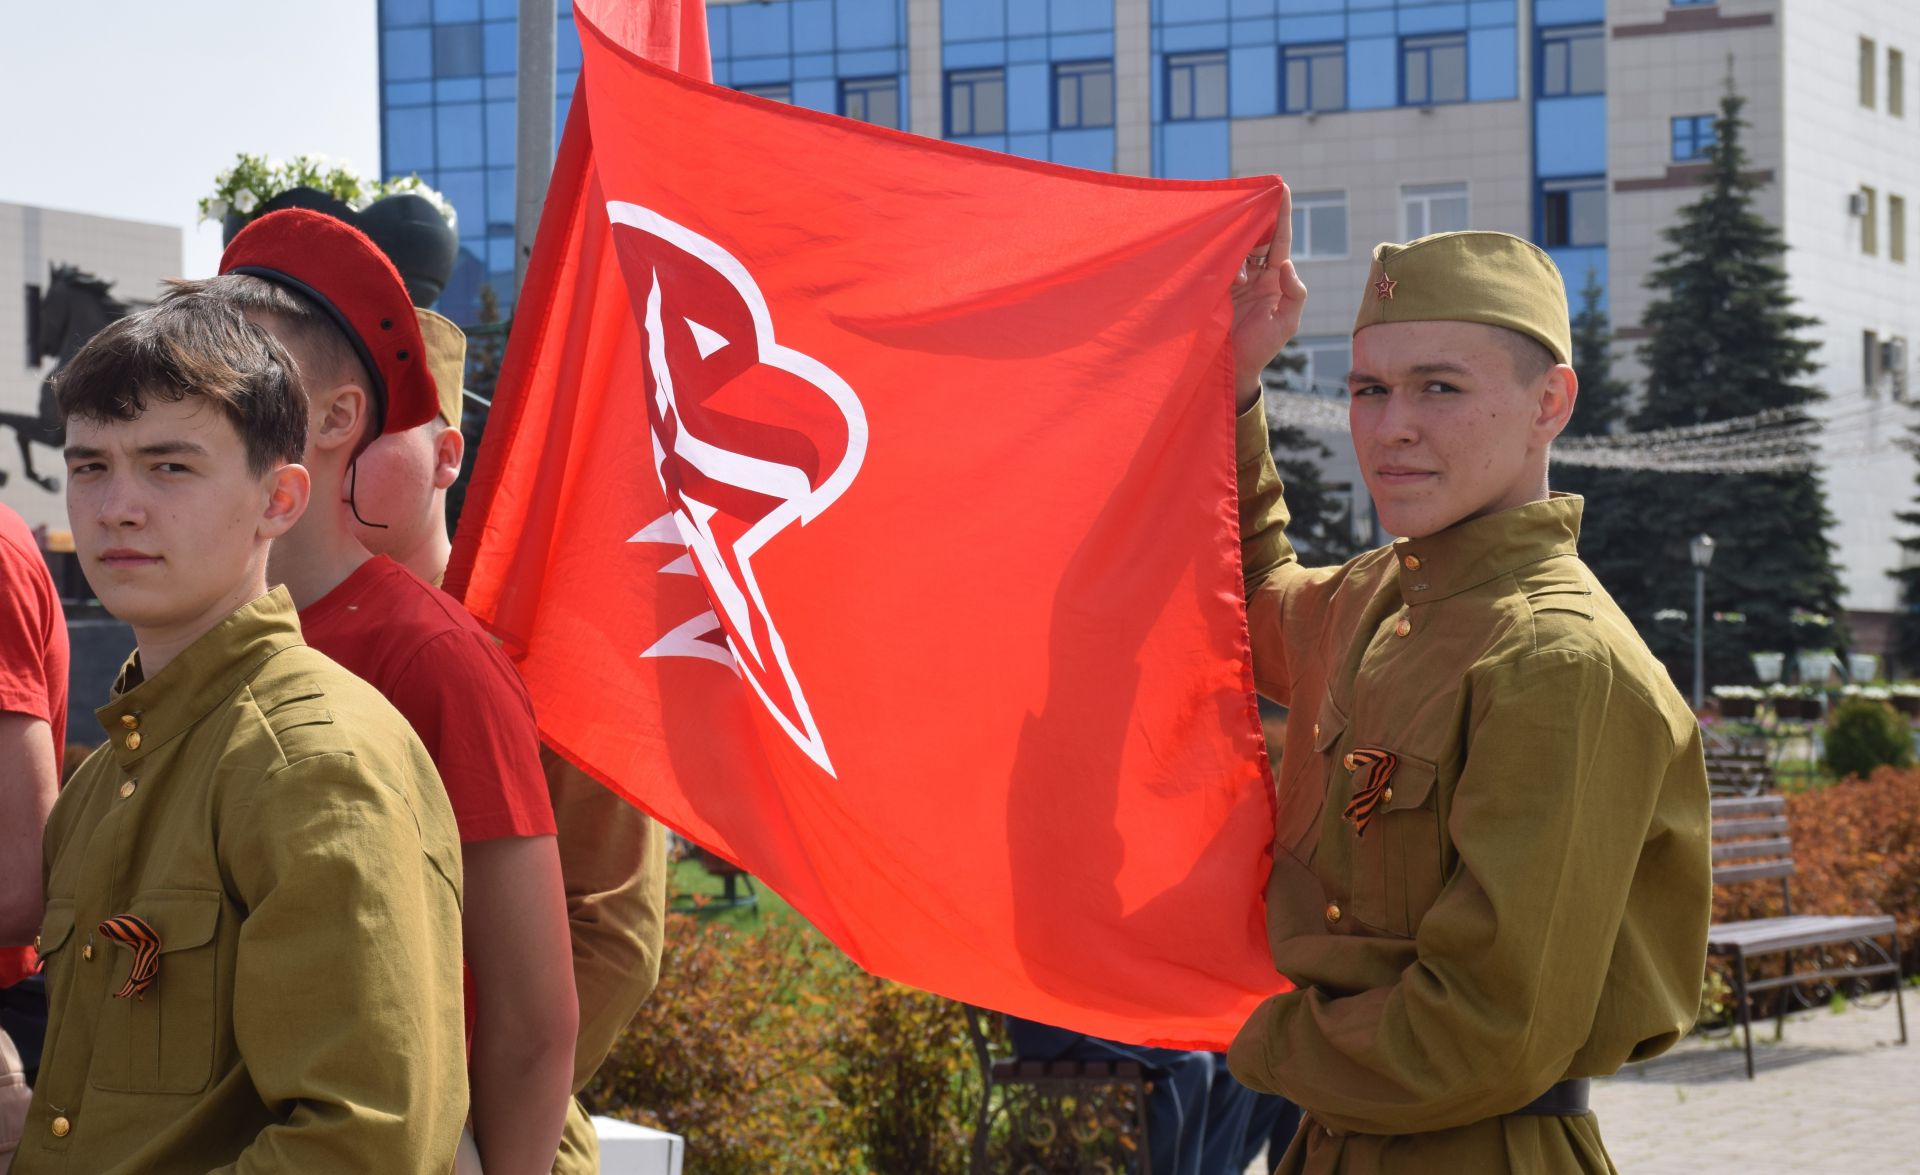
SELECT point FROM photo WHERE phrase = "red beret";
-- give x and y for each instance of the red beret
(336, 266)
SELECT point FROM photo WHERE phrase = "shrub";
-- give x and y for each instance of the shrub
(1865, 733)
(731, 1052)
(907, 1077)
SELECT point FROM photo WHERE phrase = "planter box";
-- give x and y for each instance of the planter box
(1797, 709)
(1907, 704)
(626, 1149)
(1739, 707)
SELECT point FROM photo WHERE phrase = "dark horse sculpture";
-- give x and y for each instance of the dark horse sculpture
(75, 306)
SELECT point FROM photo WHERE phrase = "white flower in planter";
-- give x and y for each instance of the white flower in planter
(216, 210)
(244, 201)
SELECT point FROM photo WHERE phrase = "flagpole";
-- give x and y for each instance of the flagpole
(533, 141)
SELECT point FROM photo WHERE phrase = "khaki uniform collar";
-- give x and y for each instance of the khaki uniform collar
(145, 715)
(1468, 554)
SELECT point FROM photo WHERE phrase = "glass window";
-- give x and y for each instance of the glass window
(1196, 86)
(874, 100)
(977, 101)
(1866, 72)
(1313, 77)
(1693, 3)
(502, 130)
(1434, 208)
(500, 56)
(1896, 83)
(1329, 357)
(1692, 135)
(467, 191)
(1320, 226)
(452, 10)
(1869, 220)
(409, 139)
(457, 50)
(459, 137)
(1082, 94)
(394, 13)
(566, 45)
(1573, 61)
(1897, 228)
(500, 197)
(776, 92)
(1573, 212)
(1433, 70)
(407, 55)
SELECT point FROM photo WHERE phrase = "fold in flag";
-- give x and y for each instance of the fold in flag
(862, 506)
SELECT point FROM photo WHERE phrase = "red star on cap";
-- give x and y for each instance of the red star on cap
(1383, 289)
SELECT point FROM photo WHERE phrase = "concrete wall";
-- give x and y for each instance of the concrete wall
(135, 257)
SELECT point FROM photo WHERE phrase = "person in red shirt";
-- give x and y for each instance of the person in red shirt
(33, 730)
(331, 298)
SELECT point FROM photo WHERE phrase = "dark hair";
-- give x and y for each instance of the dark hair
(1531, 358)
(321, 351)
(192, 347)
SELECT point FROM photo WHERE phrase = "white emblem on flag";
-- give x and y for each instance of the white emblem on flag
(767, 496)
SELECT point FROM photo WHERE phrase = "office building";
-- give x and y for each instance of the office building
(1581, 124)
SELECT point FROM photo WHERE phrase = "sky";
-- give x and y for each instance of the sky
(128, 109)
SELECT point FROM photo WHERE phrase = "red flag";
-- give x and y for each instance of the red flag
(884, 541)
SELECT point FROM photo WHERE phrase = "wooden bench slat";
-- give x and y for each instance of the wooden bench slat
(1767, 826)
(1748, 807)
(1737, 850)
(1767, 935)
(1757, 871)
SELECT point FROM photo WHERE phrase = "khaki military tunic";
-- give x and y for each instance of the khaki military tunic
(1528, 901)
(613, 859)
(280, 828)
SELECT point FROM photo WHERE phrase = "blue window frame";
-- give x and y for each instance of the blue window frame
(1196, 85)
(774, 91)
(1082, 94)
(1433, 69)
(457, 50)
(977, 101)
(1692, 135)
(1573, 61)
(1692, 3)
(1313, 77)
(1573, 212)
(874, 100)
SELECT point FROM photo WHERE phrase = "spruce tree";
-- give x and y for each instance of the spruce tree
(1610, 527)
(1906, 628)
(1321, 527)
(1726, 342)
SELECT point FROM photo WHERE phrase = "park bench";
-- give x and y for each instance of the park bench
(1738, 770)
(1051, 1080)
(1751, 843)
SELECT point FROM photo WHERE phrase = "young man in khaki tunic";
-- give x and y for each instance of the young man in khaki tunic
(1491, 877)
(252, 928)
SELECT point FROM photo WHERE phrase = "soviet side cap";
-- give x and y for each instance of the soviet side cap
(1492, 278)
(447, 358)
(335, 265)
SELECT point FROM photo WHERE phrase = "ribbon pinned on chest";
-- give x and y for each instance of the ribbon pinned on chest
(1373, 789)
(139, 936)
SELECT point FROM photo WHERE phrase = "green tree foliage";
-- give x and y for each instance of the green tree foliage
(1321, 528)
(1906, 629)
(1725, 341)
(1610, 527)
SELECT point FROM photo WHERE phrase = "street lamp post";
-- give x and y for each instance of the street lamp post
(1701, 549)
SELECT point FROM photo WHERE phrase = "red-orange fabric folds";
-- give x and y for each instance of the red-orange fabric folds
(863, 507)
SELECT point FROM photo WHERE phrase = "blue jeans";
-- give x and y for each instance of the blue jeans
(1200, 1120)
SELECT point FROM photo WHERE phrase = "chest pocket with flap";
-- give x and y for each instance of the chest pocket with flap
(1397, 870)
(164, 1043)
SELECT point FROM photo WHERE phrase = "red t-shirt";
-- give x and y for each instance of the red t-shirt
(440, 669)
(33, 663)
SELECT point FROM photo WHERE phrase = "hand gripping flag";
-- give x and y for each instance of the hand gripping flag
(862, 506)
